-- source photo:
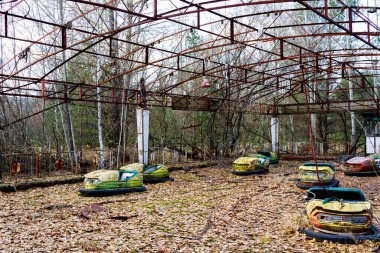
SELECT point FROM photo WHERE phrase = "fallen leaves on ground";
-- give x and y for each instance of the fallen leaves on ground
(208, 211)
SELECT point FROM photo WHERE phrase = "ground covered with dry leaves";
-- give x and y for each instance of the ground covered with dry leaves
(203, 210)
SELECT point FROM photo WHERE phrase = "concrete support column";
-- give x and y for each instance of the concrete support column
(142, 119)
(274, 132)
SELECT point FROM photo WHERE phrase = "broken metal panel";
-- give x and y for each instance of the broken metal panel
(331, 106)
(199, 104)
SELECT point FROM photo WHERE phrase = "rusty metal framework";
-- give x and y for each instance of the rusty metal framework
(261, 56)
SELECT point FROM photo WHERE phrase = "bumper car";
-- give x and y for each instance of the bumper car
(339, 215)
(362, 166)
(127, 179)
(376, 157)
(156, 174)
(308, 177)
(271, 156)
(245, 166)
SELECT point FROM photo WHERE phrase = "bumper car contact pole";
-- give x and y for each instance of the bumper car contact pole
(304, 88)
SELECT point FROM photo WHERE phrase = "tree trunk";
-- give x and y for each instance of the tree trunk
(68, 113)
(345, 132)
(117, 82)
(236, 136)
(293, 133)
(353, 122)
(99, 106)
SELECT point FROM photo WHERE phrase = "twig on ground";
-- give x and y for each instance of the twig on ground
(182, 237)
(206, 227)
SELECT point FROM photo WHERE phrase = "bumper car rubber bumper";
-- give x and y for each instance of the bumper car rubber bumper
(362, 174)
(249, 172)
(108, 192)
(333, 183)
(373, 235)
(157, 180)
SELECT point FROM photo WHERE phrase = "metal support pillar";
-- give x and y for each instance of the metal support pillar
(142, 118)
(274, 127)
(232, 31)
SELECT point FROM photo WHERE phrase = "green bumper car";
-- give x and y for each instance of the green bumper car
(156, 174)
(110, 182)
(271, 156)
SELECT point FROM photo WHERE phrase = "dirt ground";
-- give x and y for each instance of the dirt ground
(203, 210)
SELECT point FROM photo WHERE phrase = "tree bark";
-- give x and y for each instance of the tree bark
(99, 107)
(68, 112)
(353, 122)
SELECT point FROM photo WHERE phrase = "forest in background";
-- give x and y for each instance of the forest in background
(74, 128)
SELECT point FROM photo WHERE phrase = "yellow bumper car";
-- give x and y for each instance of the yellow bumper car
(339, 215)
(308, 177)
(127, 179)
(245, 166)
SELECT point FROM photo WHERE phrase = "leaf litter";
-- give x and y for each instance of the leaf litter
(208, 211)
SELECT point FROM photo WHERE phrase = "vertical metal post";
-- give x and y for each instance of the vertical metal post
(350, 19)
(155, 9)
(281, 49)
(326, 8)
(178, 63)
(198, 19)
(232, 31)
(147, 55)
(64, 37)
(110, 53)
(369, 30)
(6, 24)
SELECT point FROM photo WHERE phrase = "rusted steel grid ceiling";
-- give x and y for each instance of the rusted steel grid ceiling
(198, 24)
(232, 39)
